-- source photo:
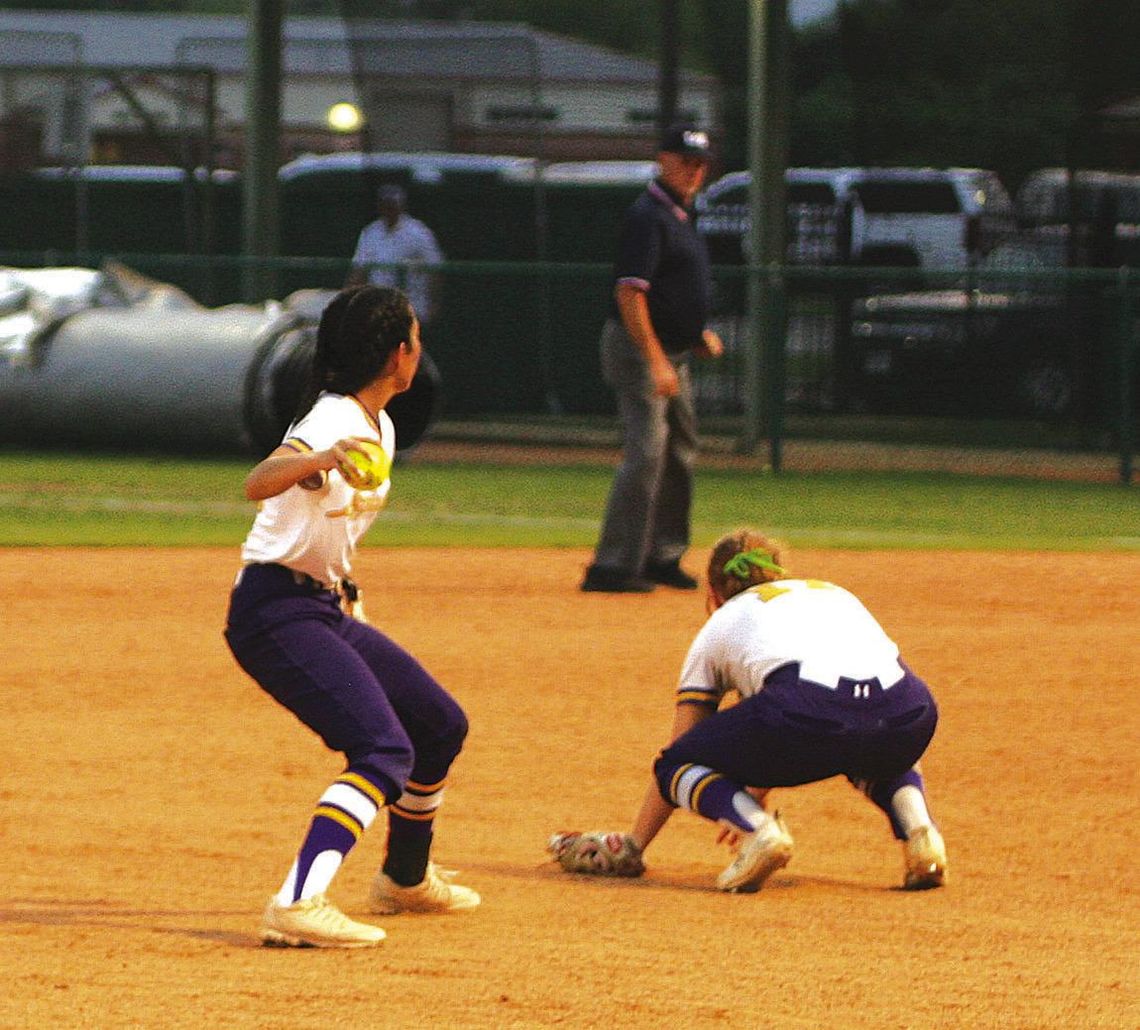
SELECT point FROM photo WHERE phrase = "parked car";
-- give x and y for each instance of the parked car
(969, 352)
(909, 217)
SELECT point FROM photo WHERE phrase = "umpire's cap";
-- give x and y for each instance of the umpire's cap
(687, 140)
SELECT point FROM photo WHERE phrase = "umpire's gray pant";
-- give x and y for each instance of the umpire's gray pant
(647, 515)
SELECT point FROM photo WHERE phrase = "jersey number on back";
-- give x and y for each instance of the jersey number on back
(768, 591)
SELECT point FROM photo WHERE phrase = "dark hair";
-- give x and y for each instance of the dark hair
(359, 329)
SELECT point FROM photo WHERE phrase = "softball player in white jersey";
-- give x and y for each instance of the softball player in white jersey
(315, 529)
(823, 692)
(361, 692)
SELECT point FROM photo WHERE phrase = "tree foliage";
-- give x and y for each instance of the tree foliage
(969, 82)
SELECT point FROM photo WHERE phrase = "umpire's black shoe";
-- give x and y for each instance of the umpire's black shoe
(602, 579)
(669, 574)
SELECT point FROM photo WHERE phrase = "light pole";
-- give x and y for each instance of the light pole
(262, 147)
(767, 157)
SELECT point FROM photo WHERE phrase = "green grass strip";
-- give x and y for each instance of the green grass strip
(97, 500)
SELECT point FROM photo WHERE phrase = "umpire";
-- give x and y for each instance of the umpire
(661, 300)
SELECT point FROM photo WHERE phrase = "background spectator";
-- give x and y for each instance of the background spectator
(391, 249)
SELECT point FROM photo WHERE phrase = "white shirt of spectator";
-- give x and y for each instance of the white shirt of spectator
(408, 243)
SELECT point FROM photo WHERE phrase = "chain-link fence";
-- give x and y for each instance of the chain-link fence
(975, 320)
(1052, 363)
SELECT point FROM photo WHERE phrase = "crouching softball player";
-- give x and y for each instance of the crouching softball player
(360, 692)
(823, 693)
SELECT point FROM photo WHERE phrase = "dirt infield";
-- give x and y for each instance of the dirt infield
(153, 798)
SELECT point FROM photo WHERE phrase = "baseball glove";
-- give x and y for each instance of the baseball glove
(597, 853)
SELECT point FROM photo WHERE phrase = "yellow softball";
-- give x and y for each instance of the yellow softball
(367, 465)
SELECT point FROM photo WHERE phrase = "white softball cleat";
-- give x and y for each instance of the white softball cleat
(761, 853)
(315, 923)
(924, 852)
(434, 893)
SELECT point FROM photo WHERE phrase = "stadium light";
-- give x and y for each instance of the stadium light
(344, 117)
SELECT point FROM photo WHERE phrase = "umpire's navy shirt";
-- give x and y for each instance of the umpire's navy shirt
(661, 252)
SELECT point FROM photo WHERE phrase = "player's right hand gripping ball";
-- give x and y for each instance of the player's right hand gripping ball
(597, 853)
(367, 465)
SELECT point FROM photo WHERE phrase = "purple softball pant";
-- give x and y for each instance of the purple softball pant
(362, 693)
(794, 732)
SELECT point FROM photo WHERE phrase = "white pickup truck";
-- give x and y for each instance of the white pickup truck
(929, 218)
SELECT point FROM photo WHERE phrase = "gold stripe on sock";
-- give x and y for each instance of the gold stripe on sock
(699, 789)
(366, 787)
(424, 788)
(405, 813)
(677, 779)
(337, 816)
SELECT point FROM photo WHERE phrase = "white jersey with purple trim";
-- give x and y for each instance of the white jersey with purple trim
(315, 531)
(823, 627)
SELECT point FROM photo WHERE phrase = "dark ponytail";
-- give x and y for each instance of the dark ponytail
(358, 331)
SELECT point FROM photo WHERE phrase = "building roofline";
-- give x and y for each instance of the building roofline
(116, 39)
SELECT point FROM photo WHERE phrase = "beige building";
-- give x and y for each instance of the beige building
(83, 88)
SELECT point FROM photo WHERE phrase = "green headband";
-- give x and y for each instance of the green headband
(739, 564)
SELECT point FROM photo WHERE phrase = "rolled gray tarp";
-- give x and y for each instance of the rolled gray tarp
(176, 379)
(136, 379)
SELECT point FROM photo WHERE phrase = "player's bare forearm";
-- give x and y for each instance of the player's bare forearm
(655, 810)
(284, 468)
(653, 814)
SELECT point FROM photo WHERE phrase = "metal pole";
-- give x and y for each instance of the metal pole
(550, 398)
(262, 131)
(82, 154)
(776, 107)
(209, 207)
(767, 155)
(756, 336)
(1125, 401)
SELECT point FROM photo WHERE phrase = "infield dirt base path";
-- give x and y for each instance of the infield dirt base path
(153, 798)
